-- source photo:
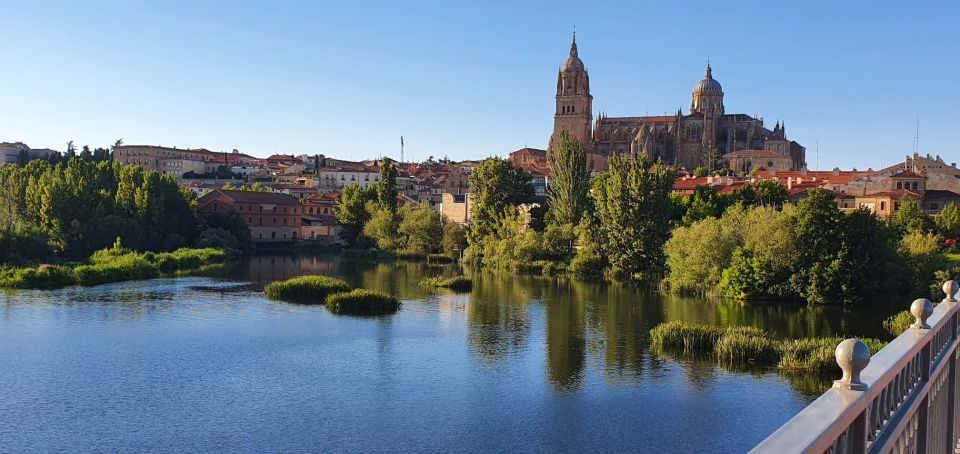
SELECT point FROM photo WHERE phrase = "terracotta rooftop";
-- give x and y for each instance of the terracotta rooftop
(269, 198)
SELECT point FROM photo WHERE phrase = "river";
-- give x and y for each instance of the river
(521, 363)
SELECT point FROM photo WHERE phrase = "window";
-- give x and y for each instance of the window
(883, 206)
(915, 185)
(899, 185)
(273, 235)
(934, 206)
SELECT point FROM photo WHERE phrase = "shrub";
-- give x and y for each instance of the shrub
(899, 322)
(362, 302)
(305, 289)
(456, 283)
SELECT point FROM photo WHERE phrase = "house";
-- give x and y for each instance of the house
(271, 217)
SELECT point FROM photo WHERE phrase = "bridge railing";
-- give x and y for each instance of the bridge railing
(902, 399)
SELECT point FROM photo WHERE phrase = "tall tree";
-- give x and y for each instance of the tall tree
(387, 188)
(496, 186)
(633, 210)
(569, 181)
(352, 210)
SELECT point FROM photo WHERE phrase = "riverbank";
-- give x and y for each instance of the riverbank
(114, 264)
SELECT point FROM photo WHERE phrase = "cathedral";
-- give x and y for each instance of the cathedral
(707, 136)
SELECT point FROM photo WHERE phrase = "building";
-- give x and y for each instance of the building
(11, 152)
(927, 180)
(271, 217)
(456, 207)
(703, 137)
(177, 161)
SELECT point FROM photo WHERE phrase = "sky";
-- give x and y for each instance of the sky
(851, 80)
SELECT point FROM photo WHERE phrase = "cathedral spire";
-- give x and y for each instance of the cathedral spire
(709, 74)
(573, 45)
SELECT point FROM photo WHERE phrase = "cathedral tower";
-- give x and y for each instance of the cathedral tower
(574, 112)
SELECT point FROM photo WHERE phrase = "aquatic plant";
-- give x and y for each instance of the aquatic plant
(733, 344)
(305, 289)
(456, 283)
(362, 302)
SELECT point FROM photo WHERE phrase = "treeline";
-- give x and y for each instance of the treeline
(372, 217)
(748, 244)
(70, 209)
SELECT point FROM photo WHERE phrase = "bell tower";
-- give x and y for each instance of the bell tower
(574, 112)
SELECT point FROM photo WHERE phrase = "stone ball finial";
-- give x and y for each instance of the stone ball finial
(921, 309)
(852, 357)
(950, 288)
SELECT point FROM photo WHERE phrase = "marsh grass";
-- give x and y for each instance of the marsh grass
(745, 344)
(113, 265)
(456, 283)
(305, 289)
(362, 302)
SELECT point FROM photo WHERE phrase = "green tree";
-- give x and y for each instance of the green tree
(420, 229)
(771, 193)
(910, 218)
(948, 221)
(633, 210)
(496, 188)
(569, 182)
(387, 187)
(454, 239)
(382, 227)
(352, 212)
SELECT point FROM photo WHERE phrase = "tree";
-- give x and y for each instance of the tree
(569, 182)
(387, 188)
(23, 158)
(701, 171)
(771, 193)
(633, 209)
(352, 212)
(454, 239)
(496, 188)
(420, 229)
(910, 218)
(948, 221)
(381, 227)
(705, 202)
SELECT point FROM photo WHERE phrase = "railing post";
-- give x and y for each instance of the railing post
(853, 356)
(922, 309)
(950, 289)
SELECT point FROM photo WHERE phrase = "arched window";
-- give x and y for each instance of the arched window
(899, 185)
(915, 185)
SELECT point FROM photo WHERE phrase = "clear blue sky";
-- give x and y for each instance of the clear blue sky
(469, 80)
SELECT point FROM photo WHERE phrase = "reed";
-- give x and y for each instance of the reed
(362, 302)
(456, 283)
(746, 344)
(305, 289)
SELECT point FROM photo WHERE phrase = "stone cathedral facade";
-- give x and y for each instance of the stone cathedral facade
(708, 134)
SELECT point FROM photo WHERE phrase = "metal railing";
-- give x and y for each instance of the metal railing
(903, 399)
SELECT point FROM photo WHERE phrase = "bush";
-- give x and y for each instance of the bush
(745, 346)
(305, 289)
(897, 323)
(362, 302)
(456, 283)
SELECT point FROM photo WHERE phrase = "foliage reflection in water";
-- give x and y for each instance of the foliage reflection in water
(524, 363)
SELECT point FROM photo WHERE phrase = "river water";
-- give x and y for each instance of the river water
(521, 363)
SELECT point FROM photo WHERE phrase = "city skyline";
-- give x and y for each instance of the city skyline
(466, 82)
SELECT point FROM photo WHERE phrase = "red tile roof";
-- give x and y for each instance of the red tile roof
(256, 197)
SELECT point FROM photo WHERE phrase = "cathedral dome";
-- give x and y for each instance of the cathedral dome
(708, 85)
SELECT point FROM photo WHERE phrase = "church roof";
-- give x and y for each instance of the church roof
(708, 84)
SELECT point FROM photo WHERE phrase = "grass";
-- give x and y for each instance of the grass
(362, 302)
(113, 265)
(456, 283)
(745, 344)
(305, 289)
(439, 258)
